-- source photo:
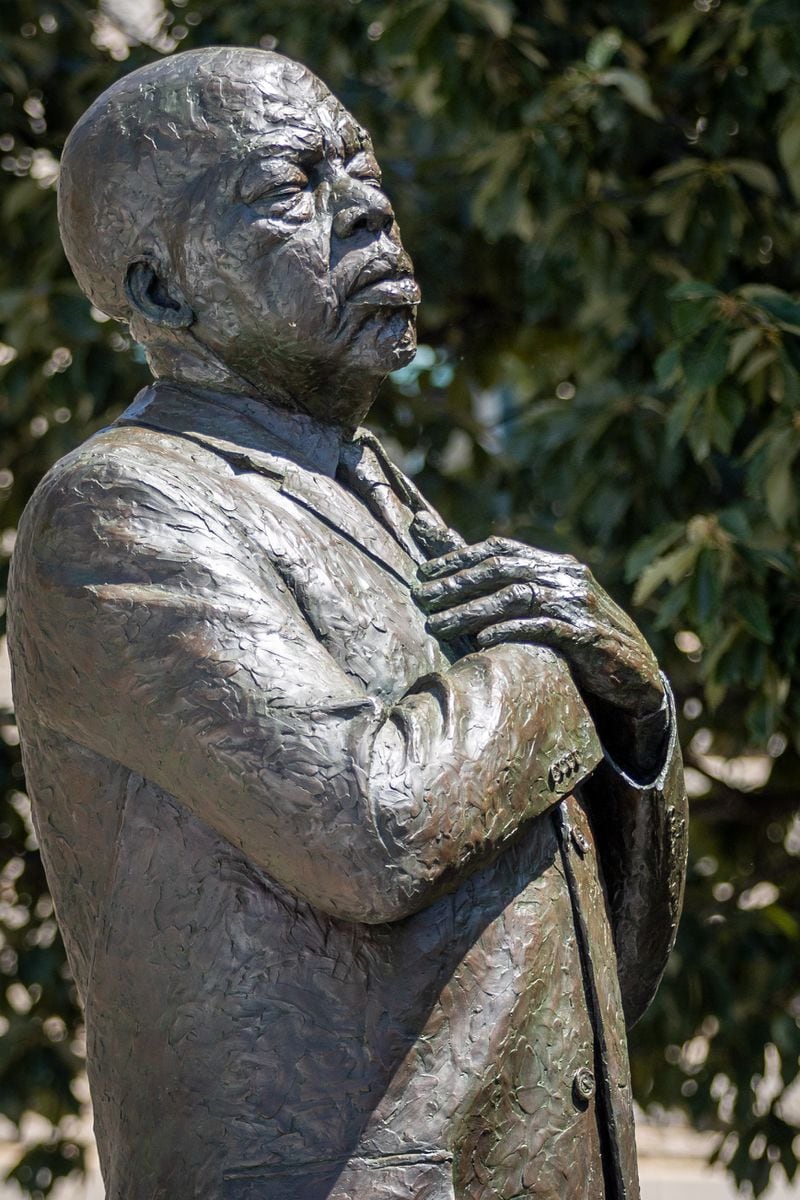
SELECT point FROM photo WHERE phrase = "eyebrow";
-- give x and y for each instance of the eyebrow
(297, 150)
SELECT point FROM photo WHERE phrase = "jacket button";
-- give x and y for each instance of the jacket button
(583, 1086)
(580, 843)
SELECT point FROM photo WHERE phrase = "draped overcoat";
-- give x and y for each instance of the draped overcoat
(354, 915)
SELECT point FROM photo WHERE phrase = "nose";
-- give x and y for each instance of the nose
(360, 206)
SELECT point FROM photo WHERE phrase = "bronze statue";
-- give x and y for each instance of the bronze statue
(362, 839)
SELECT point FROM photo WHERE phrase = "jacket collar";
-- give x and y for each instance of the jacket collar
(251, 428)
(299, 453)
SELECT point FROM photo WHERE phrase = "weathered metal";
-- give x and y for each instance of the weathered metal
(362, 840)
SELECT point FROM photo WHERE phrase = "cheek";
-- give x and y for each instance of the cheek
(252, 271)
(290, 285)
(297, 279)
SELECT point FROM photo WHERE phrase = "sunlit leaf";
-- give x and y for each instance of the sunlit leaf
(635, 89)
(673, 567)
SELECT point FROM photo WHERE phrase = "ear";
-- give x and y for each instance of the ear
(152, 298)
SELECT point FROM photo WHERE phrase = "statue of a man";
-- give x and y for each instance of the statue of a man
(362, 839)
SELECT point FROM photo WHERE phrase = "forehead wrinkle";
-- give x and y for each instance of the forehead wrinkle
(297, 131)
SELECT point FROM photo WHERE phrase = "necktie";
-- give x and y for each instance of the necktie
(393, 499)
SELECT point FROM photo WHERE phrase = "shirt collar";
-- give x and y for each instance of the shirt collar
(253, 424)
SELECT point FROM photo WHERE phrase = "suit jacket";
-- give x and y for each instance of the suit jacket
(351, 916)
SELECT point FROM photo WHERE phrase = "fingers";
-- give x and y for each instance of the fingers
(433, 537)
(487, 576)
(503, 591)
(458, 559)
(518, 600)
(541, 631)
(603, 665)
(498, 547)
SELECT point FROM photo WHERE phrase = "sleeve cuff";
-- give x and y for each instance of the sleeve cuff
(665, 714)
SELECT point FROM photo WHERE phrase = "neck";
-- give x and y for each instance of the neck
(341, 402)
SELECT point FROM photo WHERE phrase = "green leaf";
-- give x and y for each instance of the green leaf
(668, 366)
(784, 922)
(698, 431)
(692, 289)
(678, 30)
(706, 586)
(757, 174)
(781, 492)
(705, 359)
(735, 521)
(680, 208)
(741, 345)
(680, 415)
(774, 301)
(789, 141)
(670, 567)
(757, 364)
(602, 48)
(689, 317)
(725, 417)
(496, 15)
(680, 169)
(672, 606)
(634, 88)
(751, 608)
(651, 547)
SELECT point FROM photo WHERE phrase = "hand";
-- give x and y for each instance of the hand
(504, 591)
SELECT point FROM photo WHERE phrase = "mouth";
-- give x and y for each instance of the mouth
(384, 282)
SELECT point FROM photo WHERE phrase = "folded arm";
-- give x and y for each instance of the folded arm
(503, 592)
(149, 636)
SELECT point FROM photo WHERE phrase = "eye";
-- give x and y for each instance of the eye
(266, 183)
(364, 167)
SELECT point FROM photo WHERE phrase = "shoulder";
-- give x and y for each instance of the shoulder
(126, 472)
(127, 456)
(131, 505)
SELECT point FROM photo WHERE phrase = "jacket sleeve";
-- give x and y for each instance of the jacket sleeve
(141, 628)
(641, 833)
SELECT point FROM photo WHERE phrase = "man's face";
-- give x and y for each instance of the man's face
(290, 257)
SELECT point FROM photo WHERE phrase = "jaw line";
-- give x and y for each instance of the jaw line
(361, 386)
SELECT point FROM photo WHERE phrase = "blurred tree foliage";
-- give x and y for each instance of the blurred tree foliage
(602, 200)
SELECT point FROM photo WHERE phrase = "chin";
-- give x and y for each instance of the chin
(386, 341)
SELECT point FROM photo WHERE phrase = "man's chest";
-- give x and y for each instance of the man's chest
(349, 574)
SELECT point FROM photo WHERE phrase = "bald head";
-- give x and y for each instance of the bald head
(132, 165)
(225, 205)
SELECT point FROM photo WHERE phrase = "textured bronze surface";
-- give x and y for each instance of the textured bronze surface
(362, 839)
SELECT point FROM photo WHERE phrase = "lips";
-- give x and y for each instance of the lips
(394, 290)
(383, 280)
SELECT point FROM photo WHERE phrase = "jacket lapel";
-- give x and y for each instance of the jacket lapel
(198, 420)
(343, 512)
